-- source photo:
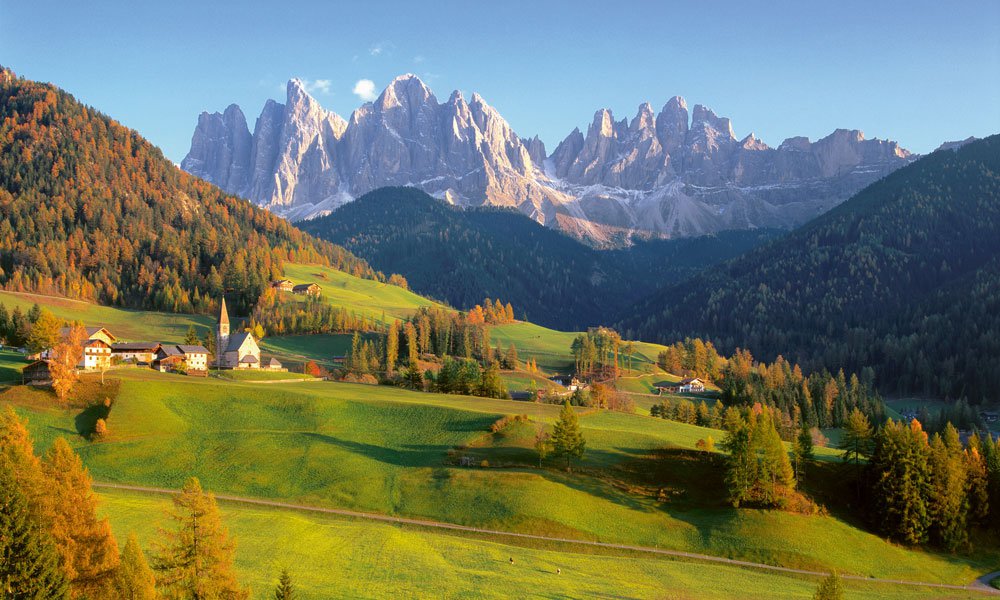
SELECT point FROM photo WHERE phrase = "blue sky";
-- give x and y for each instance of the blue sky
(918, 72)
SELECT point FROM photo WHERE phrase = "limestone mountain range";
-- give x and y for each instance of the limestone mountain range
(669, 174)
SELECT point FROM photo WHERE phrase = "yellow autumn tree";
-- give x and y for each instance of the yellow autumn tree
(66, 355)
(195, 558)
(84, 541)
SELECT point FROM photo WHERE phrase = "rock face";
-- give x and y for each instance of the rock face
(661, 174)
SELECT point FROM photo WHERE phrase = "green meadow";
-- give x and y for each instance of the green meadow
(334, 556)
(363, 296)
(395, 452)
(126, 324)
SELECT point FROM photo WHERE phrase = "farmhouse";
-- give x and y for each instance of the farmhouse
(139, 353)
(307, 289)
(691, 384)
(97, 348)
(274, 364)
(37, 373)
(237, 351)
(285, 285)
(684, 386)
(567, 381)
(192, 359)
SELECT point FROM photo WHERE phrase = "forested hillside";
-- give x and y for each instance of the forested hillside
(463, 256)
(904, 277)
(89, 209)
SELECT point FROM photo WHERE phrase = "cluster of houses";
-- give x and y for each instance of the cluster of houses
(102, 351)
(303, 289)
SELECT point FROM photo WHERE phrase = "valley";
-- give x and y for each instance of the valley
(420, 352)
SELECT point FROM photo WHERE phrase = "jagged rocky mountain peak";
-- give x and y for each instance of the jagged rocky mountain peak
(671, 173)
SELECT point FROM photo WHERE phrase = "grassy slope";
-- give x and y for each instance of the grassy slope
(360, 295)
(135, 325)
(384, 450)
(362, 559)
(11, 364)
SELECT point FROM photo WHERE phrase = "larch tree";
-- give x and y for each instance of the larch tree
(284, 590)
(134, 579)
(949, 502)
(392, 347)
(29, 564)
(87, 548)
(567, 439)
(831, 588)
(44, 333)
(66, 355)
(191, 338)
(195, 558)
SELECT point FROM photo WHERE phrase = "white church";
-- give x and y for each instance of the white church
(235, 351)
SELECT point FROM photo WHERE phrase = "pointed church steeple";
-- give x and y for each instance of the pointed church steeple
(223, 319)
(222, 335)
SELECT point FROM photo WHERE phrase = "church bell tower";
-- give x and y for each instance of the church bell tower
(222, 334)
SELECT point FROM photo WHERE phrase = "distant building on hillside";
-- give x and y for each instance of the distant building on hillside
(684, 386)
(691, 384)
(307, 289)
(285, 285)
(567, 381)
(235, 351)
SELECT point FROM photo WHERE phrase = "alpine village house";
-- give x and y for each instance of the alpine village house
(102, 350)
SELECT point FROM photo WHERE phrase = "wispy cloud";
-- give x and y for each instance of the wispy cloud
(382, 48)
(365, 89)
(418, 59)
(317, 85)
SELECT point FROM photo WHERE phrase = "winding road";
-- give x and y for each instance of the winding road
(981, 585)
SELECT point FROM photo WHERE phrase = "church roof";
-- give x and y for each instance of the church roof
(223, 313)
(236, 340)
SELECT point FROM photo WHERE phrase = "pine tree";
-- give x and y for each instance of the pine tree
(901, 482)
(741, 466)
(856, 440)
(134, 579)
(284, 590)
(805, 443)
(831, 588)
(195, 560)
(87, 548)
(29, 563)
(191, 338)
(567, 440)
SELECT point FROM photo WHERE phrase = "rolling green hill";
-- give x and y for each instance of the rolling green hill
(376, 560)
(904, 277)
(91, 210)
(390, 451)
(465, 255)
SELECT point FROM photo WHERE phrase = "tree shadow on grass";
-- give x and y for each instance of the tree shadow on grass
(412, 455)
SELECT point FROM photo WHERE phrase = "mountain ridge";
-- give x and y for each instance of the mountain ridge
(666, 174)
(904, 276)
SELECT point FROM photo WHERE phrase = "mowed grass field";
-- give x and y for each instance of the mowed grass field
(129, 325)
(330, 556)
(385, 450)
(362, 296)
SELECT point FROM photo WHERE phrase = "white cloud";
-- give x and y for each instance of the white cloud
(418, 59)
(319, 85)
(381, 49)
(365, 89)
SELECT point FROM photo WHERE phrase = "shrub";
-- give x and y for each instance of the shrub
(504, 422)
(100, 429)
(485, 464)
